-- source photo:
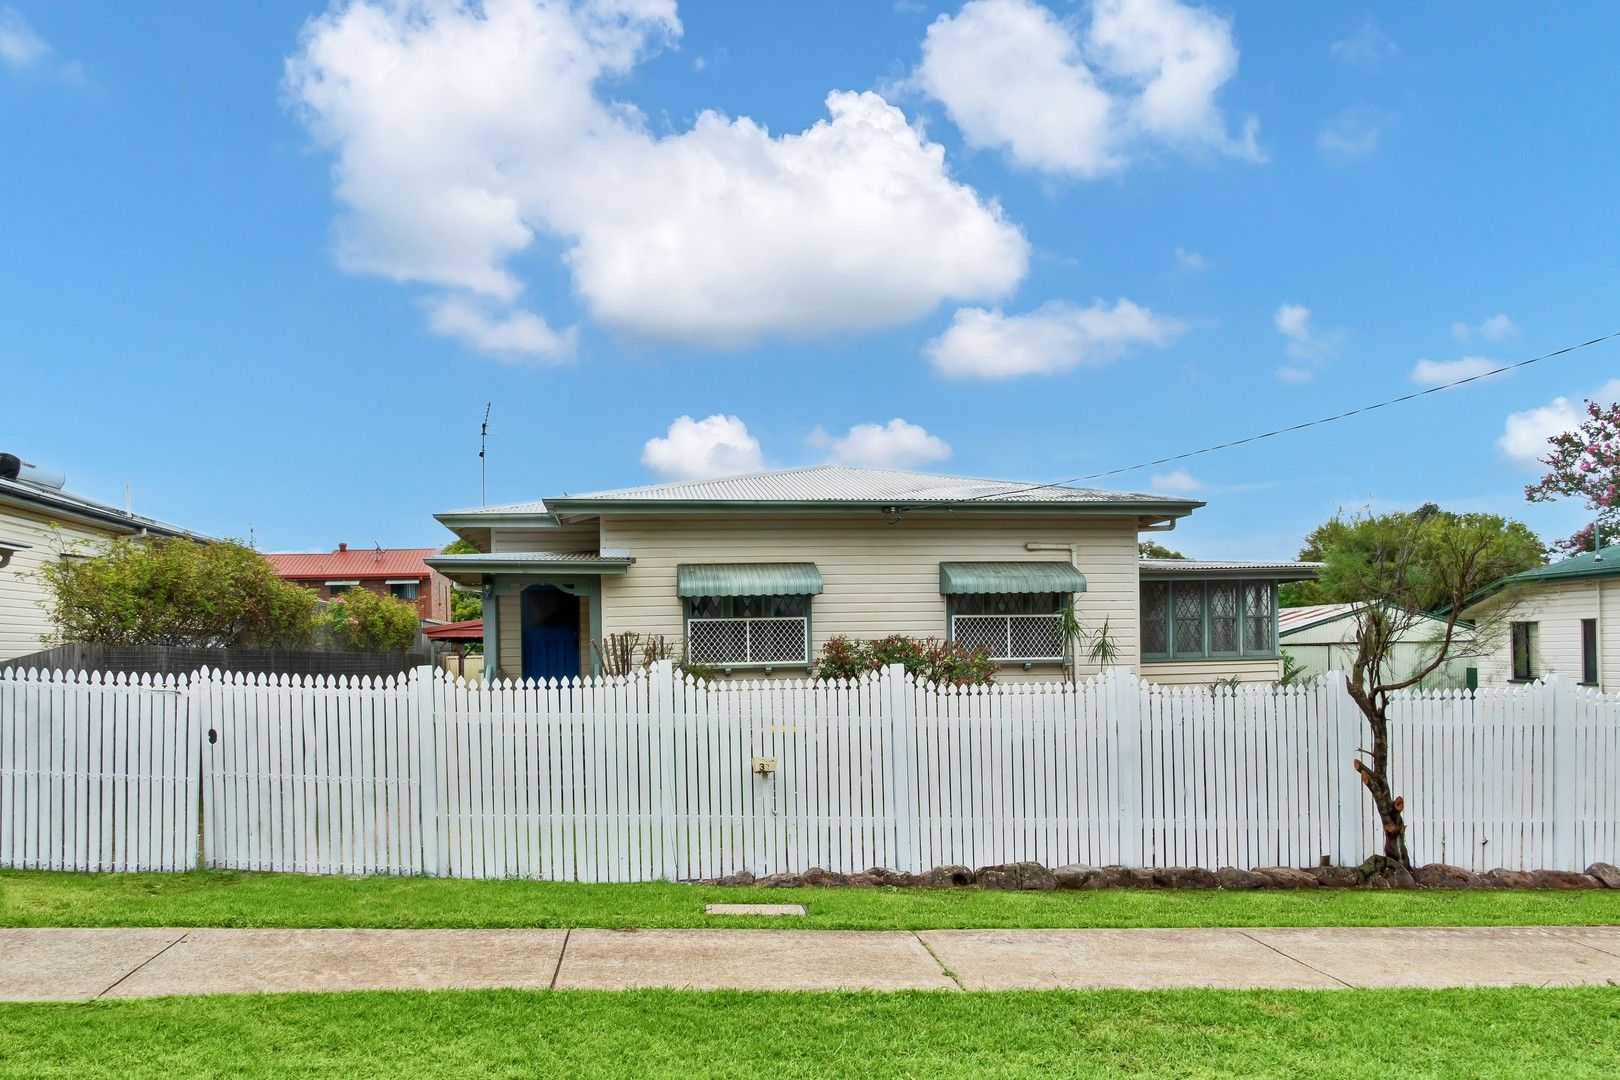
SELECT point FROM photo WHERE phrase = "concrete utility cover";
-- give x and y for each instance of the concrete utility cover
(753, 909)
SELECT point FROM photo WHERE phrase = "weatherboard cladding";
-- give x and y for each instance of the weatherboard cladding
(747, 579)
(957, 578)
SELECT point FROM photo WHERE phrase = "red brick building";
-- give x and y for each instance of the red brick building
(397, 572)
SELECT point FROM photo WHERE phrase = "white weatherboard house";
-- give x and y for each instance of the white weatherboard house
(1564, 619)
(1322, 638)
(754, 573)
(40, 521)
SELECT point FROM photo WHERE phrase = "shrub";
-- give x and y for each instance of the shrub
(175, 591)
(929, 659)
(369, 622)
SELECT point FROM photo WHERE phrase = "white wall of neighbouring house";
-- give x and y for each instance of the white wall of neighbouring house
(1330, 646)
(1557, 610)
(878, 577)
(24, 621)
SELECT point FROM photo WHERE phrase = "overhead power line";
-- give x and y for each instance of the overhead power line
(1414, 395)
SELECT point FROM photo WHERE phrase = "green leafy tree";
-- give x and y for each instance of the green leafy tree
(1402, 565)
(464, 605)
(1152, 549)
(175, 592)
(1345, 538)
(369, 622)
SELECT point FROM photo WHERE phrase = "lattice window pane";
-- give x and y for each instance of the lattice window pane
(1189, 618)
(985, 632)
(719, 641)
(777, 641)
(1155, 617)
(1036, 637)
(1223, 618)
(1259, 618)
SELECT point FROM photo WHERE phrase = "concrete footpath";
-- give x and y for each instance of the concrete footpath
(83, 964)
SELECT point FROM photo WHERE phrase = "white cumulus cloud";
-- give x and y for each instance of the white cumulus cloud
(717, 445)
(1176, 482)
(1438, 372)
(988, 344)
(1496, 328)
(1191, 261)
(1308, 348)
(898, 444)
(467, 134)
(515, 335)
(1524, 434)
(1084, 100)
(20, 46)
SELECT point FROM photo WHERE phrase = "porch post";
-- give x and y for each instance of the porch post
(492, 633)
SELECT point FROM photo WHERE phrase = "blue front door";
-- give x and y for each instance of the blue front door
(550, 633)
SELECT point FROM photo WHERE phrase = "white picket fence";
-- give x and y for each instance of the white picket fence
(653, 776)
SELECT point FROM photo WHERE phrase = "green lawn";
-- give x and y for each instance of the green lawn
(687, 1034)
(223, 898)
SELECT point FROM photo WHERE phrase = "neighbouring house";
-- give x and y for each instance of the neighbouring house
(1562, 618)
(753, 574)
(41, 520)
(1322, 638)
(398, 572)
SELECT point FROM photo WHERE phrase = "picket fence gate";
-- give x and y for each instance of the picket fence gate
(655, 776)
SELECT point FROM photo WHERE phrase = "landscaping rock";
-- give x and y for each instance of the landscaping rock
(1503, 878)
(1287, 877)
(1383, 872)
(780, 881)
(1015, 876)
(1074, 876)
(741, 877)
(1184, 877)
(1230, 877)
(1338, 877)
(1438, 875)
(1111, 877)
(1562, 879)
(896, 878)
(818, 877)
(861, 881)
(1606, 874)
(945, 877)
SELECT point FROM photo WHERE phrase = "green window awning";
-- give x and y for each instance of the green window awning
(747, 579)
(1009, 577)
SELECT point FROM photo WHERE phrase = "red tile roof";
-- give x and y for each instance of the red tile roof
(354, 563)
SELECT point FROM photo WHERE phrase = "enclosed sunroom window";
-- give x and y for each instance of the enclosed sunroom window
(1208, 619)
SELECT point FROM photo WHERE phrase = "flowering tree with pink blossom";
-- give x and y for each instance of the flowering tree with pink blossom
(1585, 463)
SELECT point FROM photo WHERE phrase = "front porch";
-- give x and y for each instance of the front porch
(542, 610)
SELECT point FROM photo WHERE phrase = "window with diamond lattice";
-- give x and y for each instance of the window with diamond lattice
(1023, 627)
(1194, 620)
(748, 631)
(1223, 619)
(1155, 617)
(1259, 618)
(1188, 620)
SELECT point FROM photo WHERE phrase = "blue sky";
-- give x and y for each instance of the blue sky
(266, 263)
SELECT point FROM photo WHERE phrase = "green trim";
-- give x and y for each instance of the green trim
(996, 578)
(1271, 651)
(747, 579)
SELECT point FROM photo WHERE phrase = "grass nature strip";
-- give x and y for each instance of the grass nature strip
(242, 899)
(1570, 1032)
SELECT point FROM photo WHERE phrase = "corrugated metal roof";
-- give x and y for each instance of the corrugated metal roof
(44, 500)
(1009, 577)
(523, 557)
(837, 485)
(1297, 618)
(845, 483)
(360, 563)
(747, 579)
(1280, 571)
(465, 630)
(1600, 563)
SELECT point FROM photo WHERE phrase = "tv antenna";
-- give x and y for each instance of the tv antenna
(483, 435)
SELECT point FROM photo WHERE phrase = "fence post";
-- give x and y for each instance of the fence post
(1124, 699)
(1562, 716)
(898, 700)
(665, 722)
(429, 794)
(1346, 720)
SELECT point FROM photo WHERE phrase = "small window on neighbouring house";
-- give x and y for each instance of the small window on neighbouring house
(1524, 649)
(338, 588)
(404, 590)
(1589, 652)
